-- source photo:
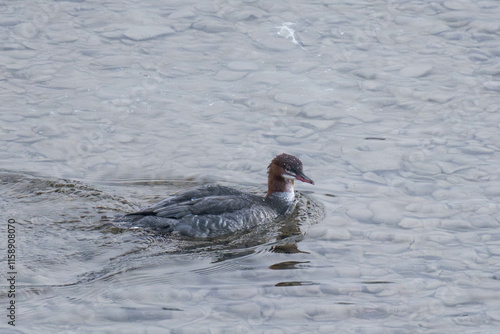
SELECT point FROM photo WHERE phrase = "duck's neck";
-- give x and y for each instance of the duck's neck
(278, 184)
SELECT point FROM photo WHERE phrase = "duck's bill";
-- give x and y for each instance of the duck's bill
(303, 178)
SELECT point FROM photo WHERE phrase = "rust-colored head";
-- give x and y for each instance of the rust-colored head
(283, 170)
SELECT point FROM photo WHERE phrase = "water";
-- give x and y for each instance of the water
(392, 107)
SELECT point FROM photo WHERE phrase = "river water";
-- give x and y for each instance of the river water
(392, 106)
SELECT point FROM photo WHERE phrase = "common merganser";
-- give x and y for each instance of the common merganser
(214, 211)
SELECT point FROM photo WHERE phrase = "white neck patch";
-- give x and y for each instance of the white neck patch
(287, 196)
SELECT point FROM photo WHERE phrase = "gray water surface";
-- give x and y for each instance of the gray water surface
(392, 106)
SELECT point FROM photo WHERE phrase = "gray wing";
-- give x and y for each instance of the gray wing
(214, 205)
(206, 212)
(213, 200)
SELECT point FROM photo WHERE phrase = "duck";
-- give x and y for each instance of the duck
(214, 211)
